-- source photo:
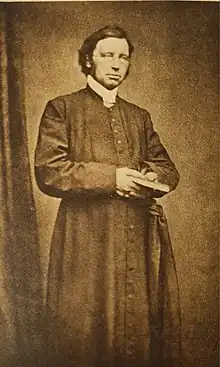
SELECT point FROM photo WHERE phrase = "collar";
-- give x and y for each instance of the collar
(108, 96)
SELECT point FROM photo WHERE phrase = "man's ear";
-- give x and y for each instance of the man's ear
(88, 63)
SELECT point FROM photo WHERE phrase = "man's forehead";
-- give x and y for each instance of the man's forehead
(113, 44)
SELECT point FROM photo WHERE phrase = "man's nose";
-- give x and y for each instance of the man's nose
(116, 63)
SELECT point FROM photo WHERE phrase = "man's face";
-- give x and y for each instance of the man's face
(110, 62)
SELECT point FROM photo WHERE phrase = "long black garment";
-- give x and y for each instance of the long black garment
(99, 293)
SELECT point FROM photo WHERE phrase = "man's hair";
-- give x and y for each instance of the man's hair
(86, 51)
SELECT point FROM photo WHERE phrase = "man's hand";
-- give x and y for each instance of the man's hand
(125, 186)
(124, 182)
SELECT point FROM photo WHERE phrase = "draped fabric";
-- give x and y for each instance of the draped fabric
(163, 292)
(20, 280)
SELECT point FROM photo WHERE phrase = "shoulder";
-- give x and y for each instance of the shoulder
(131, 107)
(69, 98)
(62, 104)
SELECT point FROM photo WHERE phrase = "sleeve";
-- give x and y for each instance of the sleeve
(158, 159)
(55, 173)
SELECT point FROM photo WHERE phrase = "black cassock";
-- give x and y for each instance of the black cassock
(108, 275)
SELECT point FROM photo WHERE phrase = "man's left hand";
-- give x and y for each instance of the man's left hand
(141, 192)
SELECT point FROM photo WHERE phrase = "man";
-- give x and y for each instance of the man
(91, 148)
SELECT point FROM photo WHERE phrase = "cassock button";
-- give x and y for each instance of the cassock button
(130, 296)
(113, 119)
(131, 226)
(130, 349)
(120, 149)
(130, 282)
(119, 141)
(131, 287)
(130, 312)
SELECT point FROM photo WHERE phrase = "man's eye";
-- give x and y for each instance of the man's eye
(124, 57)
(109, 55)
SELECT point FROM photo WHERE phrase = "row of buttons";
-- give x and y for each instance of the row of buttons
(131, 267)
(127, 322)
(120, 141)
(130, 302)
(117, 130)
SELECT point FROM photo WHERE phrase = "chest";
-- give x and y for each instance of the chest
(108, 135)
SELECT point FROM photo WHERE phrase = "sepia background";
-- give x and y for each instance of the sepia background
(174, 76)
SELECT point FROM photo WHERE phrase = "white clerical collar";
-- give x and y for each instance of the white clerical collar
(108, 96)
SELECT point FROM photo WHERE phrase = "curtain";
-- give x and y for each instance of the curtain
(20, 277)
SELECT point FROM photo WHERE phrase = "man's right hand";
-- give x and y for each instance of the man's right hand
(124, 182)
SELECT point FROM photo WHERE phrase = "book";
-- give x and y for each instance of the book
(151, 184)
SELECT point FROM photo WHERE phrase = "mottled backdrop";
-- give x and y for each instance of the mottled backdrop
(174, 75)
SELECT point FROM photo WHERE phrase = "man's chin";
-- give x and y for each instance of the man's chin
(112, 84)
(109, 83)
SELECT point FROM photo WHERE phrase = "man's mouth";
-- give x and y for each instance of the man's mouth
(114, 76)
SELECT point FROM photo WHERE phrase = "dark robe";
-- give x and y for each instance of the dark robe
(97, 307)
